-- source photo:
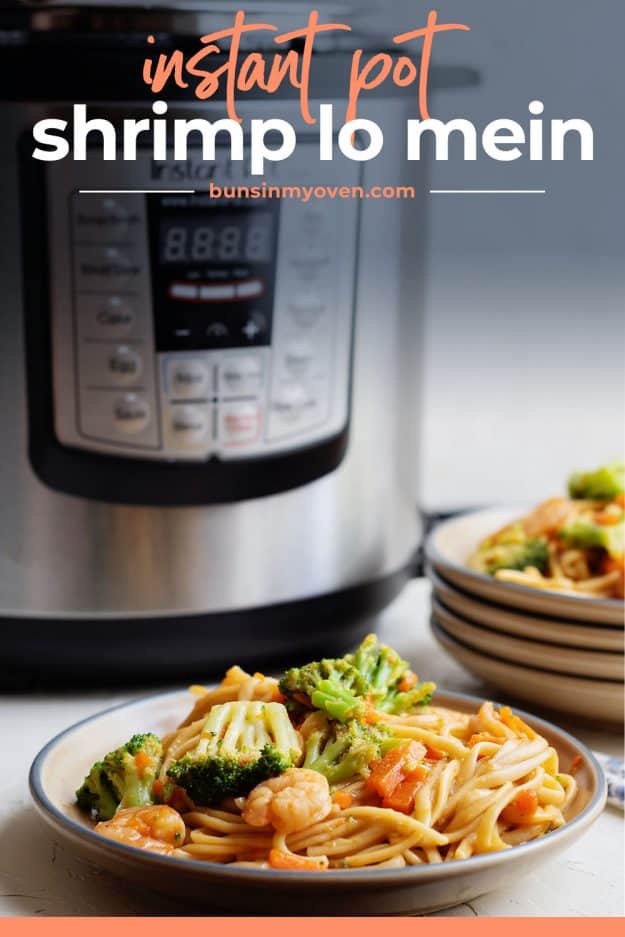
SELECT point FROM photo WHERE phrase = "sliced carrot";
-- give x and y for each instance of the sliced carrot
(391, 770)
(388, 772)
(371, 715)
(342, 799)
(620, 500)
(287, 860)
(484, 737)
(612, 564)
(433, 754)
(407, 682)
(520, 811)
(142, 761)
(165, 792)
(180, 800)
(576, 764)
(608, 518)
(516, 723)
(615, 564)
(403, 797)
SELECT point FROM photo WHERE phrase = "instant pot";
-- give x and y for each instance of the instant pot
(209, 406)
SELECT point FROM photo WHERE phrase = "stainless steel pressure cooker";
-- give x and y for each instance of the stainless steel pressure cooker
(208, 406)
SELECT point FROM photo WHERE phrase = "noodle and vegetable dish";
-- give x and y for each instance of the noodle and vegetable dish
(340, 764)
(574, 545)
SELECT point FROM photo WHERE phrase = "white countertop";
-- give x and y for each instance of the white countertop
(40, 877)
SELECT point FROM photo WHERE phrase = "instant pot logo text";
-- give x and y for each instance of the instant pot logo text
(223, 71)
(195, 169)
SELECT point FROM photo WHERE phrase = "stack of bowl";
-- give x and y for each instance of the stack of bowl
(559, 651)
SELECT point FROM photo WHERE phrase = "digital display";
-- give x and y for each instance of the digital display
(218, 237)
(213, 270)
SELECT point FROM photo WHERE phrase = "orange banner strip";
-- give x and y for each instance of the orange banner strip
(307, 927)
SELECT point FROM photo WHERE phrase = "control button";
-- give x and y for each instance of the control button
(313, 221)
(297, 409)
(310, 256)
(123, 417)
(240, 423)
(290, 401)
(114, 317)
(307, 307)
(254, 327)
(131, 413)
(298, 357)
(106, 268)
(188, 378)
(213, 294)
(113, 210)
(188, 425)
(104, 219)
(241, 374)
(125, 365)
(250, 289)
(101, 211)
(218, 331)
(184, 291)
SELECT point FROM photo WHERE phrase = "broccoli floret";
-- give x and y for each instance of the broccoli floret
(124, 778)
(586, 535)
(533, 552)
(334, 686)
(387, 674)
(96, 795)
(345, 687)
(342, 751)
(511, 549)
(405, 701)
(241, 744)
(601, 485)
(380, 665)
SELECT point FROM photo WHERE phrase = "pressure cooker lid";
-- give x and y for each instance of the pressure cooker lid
(103, 41)
(180, 17)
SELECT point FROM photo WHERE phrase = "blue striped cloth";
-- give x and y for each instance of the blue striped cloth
(614, 769)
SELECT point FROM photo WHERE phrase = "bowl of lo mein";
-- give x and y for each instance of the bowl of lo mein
(564, 557)
(346, 786)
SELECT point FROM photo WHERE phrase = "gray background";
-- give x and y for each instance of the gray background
(526, 294)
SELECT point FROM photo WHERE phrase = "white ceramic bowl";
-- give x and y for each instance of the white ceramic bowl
(600, 665)
(61, 765)
(536, 628)
(451, 543)
(599, 700)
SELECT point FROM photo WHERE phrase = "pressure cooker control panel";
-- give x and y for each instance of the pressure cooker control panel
(187, 326)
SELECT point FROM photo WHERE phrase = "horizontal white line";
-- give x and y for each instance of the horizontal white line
(136, 191)
(488, 191)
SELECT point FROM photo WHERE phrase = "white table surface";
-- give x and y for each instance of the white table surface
(40, 877)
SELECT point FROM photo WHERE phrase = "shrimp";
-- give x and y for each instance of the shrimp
(292, 801)
(548, 517)
(158, 829)
(574, 565)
